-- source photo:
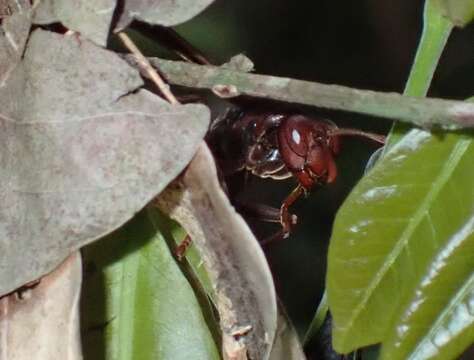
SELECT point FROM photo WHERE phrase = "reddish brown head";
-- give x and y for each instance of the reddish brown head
(308, 149)
(278, 146)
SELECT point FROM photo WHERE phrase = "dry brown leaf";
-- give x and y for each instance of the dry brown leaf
(82, 150)
(244, 290)
(160, 12)
(43, 322)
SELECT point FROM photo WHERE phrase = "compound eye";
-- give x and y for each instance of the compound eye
(291, 146)
(295, 138)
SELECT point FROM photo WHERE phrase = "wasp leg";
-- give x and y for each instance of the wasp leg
(270, 214)
(259, 212)
(277, 236)
(265, 213)
(286, 218)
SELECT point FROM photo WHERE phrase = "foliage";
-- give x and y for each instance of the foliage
(137, 300)
(395, 273)
(88, 154)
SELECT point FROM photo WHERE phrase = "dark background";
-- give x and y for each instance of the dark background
(366, 44)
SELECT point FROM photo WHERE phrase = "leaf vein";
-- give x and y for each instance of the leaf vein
(449, 167)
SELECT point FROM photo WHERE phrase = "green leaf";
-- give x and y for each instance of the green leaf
(177, 235)
(447, 290)
(460, 12)
(391, 229)
(399, 272)
(386, 234)
(138, 302)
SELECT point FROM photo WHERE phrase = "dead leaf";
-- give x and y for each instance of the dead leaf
(13, 35)
(89, 18)
(82, 151)
(287, 345)
(43, 324)
(160, 12)
(244, 290)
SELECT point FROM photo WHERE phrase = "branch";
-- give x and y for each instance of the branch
(423, 112)
(147, 68)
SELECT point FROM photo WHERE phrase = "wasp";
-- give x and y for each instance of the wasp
(280, 146)
(272, 144)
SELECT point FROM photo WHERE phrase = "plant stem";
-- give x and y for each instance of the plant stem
(436, 31)
(426, 113)
(146, 67)
(318, 319)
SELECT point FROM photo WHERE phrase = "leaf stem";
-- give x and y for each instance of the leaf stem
(318, 319)
(436, 31)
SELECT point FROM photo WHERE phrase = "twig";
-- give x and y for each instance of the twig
(173, 41)
(148, 68)
(423, 112)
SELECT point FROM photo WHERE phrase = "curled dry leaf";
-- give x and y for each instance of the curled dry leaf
(244, 291)
(90, 18)
(160, 12)
(43, 322)
(82, 151)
